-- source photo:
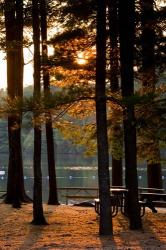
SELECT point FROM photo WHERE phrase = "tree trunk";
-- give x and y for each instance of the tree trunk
(117, 171)
(154, 173)
(105, 226)
(53, 194)
(19, 67)
(13, 192)
(127, 35)
(38, 215)
(14, 38)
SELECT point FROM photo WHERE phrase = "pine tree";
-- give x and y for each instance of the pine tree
(117, 171)
(38, 216)
(53, 193)
(127, 36)
(105, 225)
(149, 79)
(14, 40)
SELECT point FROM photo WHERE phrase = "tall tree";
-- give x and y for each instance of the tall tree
(105, 226)
(127, 37)
(14, 41)
(117, 171)
(149, 80)
(38, 215)
(53, 194)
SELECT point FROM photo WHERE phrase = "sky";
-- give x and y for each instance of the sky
(28, 70)
(2, 71)
(28, 67)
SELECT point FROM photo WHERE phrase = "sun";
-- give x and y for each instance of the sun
(82, 58)
(85, 57)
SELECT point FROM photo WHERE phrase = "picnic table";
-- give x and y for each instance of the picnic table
(118, 200)
(152, 199)
(146, 199)
(152, 196)
(117, 196)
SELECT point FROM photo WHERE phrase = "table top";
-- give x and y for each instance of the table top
(152, 189)
(79, 189)
(119, 190)
(152, 194)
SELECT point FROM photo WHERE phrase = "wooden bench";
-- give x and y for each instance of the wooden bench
(154, 190)
(152, 196)
(79, 193)
(153, 199)
(2, 194)
(159, 203)
(97, 206)
(78, 197)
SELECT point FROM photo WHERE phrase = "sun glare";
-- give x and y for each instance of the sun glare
(51, 51)
(81, 58)
(161, 3)
(3, 81)
(164, 33)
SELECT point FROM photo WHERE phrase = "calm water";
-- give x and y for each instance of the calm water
(71, 177)
(74, 169)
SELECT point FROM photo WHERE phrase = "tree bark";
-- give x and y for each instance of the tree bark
(154, 173)
(127, 36)
(117, 171)
(105, 225)
(53, 194)
(38, 215)
(14, 41)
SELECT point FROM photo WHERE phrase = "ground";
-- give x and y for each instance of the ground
(72, 227)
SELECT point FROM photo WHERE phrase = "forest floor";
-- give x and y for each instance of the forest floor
(73, 227)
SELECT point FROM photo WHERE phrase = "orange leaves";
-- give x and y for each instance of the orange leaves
(85, 56)
(68, 77)
(82, 109)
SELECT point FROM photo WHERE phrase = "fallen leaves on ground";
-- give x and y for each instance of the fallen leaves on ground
(74, 228)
